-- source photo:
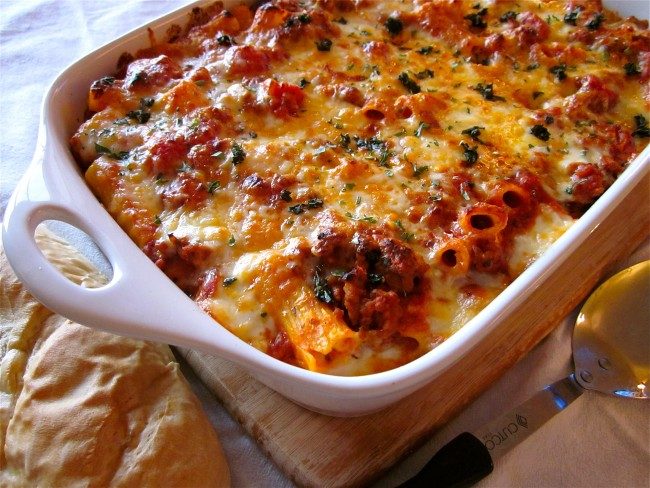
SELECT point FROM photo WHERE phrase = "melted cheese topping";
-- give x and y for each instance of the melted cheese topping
(343, 184)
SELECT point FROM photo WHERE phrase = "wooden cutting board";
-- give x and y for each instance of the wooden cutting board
(320, 451)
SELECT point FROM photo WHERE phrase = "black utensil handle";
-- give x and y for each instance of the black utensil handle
(461, 462)
(466, 460)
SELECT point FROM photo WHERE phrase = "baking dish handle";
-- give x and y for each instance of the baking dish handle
(136, 302)
(40, 276)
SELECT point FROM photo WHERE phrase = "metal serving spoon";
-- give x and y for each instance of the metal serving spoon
(611, 353)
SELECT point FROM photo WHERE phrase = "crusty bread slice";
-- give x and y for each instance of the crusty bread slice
(80, 407)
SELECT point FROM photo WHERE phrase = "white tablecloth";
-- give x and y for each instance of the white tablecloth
(597, 441)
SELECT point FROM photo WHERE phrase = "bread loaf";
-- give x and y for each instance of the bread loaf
(80, 407)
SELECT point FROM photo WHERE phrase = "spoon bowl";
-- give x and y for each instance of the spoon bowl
(611, 340)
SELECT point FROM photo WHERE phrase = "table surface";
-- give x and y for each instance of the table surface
(598, 441)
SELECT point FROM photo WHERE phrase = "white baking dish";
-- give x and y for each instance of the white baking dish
(140, 301)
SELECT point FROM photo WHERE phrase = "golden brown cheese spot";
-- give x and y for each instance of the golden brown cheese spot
(184, 191)
(144, 75)
(105, 92)
(165, 154)
(445, 19)
(592, 97)
(425, 107)
(268, 17)
(183, 98)
(284, 100)
(247, 61)
(225, 22)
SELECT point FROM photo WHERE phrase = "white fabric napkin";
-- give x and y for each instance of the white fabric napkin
(597, 441)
